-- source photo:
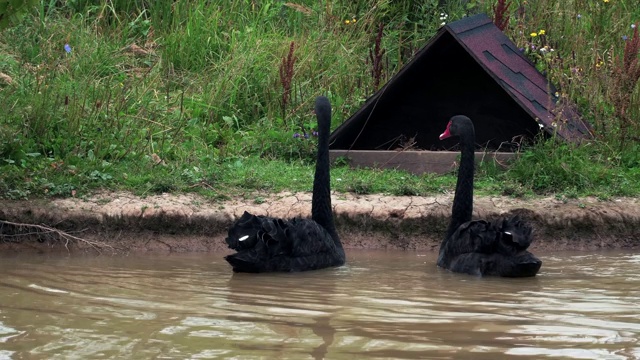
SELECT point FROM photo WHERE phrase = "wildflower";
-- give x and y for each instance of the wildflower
(557, 94)
(605, 1)
(347, 22)
(296, 135)
(534, 34)
(633, 26)
(306, 136)
(443, 18)
(314, 133)
(353, 21)
(67, 48)
(625, 38)
(541, 32)
(579, 16)
(521, 49)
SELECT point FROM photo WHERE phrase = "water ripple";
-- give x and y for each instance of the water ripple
(381, 305)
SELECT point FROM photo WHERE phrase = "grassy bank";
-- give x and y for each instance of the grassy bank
(157, 96)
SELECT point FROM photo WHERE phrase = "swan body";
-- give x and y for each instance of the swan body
(266, 244)
(479, 247)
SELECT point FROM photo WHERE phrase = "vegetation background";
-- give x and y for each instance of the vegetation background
(216, 96)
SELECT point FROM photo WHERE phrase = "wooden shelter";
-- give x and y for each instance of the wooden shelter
(469, 67)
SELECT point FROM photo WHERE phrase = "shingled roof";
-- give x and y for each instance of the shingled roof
(469, 67)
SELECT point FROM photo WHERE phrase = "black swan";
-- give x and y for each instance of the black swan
(479, 247)
(265, 244)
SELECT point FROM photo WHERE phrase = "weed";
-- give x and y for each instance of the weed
(376, 55)
(501, 14)
(360, 186)
(167, 96)
(286, 76)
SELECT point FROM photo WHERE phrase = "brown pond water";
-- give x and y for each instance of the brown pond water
(394, 304)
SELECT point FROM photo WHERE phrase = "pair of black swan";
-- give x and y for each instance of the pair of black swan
(265, 244)
(479, 247)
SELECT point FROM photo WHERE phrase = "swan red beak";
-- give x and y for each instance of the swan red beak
(446, 132)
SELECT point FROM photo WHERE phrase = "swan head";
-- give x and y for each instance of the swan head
(458, 125)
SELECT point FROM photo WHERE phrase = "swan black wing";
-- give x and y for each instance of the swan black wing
(473, 236)
(265, 244)
(243, 234)
(483, 248)
(515, 234)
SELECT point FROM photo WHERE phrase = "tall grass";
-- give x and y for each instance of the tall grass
(158, 89)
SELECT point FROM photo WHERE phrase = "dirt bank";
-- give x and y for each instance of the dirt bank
(181, 223)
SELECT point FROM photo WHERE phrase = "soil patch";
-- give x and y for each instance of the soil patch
(122, 222)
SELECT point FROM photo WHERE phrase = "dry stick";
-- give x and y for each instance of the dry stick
(405, 147)
(96, 245)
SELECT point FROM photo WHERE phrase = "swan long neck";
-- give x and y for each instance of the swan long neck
(321, 211)
(463, 199)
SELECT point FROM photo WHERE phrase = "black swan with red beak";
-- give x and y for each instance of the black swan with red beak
(265, 244)
(479, 247)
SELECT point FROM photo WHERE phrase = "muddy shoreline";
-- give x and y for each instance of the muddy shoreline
(123, 223)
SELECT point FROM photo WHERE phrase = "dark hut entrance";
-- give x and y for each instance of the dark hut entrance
(470, 67)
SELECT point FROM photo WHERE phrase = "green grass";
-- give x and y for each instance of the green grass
(197, 105)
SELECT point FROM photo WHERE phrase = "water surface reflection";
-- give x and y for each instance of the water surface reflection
(394, 305)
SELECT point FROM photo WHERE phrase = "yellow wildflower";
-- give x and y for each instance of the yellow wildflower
(541, 32)
(606, 1)
(353, 20)
(534, 34)
(347, 22)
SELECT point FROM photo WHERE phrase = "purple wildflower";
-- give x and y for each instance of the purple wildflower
(296, 135)
(306, 136)
(314, 133)
(67, 48)
(521, 49)
(625, 38)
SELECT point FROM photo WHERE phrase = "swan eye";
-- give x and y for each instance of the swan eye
(244, 238)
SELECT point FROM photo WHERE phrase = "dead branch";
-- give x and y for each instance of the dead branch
(62, 235)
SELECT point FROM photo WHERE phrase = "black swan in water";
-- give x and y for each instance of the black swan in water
(265, 244)
(479, 247)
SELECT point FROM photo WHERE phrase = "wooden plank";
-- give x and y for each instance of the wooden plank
(417, 162)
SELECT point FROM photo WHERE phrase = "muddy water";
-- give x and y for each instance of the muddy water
(394, 305)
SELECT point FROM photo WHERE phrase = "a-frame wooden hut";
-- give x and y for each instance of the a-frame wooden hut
(469, 67)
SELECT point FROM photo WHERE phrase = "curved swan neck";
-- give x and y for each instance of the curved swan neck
(321, 211)
(463, 199)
